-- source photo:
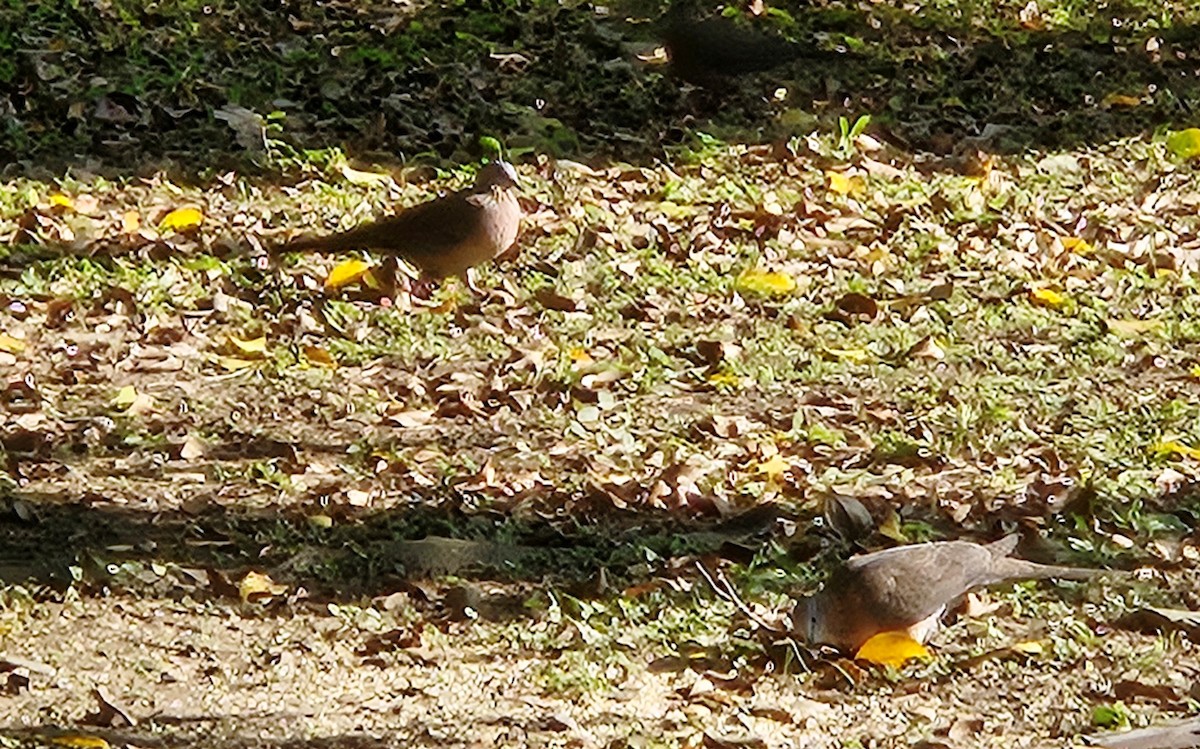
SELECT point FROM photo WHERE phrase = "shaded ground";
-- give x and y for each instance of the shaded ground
(482, 517)
(388, 81)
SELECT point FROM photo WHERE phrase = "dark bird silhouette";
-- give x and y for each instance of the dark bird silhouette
(442, 237)
(706, 50)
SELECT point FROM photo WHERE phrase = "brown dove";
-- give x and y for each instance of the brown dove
(908, 588)
(442, 237)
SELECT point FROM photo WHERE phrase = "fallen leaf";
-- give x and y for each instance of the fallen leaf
(852, 355)
(233, 363)
(256, 586)
(346, 273)
(1157, 619)
(892, 649)
(182, 219)
(1046, 297)
(355, 177)
(1132, 328)
(1184, 144)
(11, 345)
(131, 221)
(1077, 245)
(927, 348)
(765, 283)
(80, 741)
(1120, 101)
(58, 200)
(890, 528)
(844, 184)
(320, 356)
(1174, 447)
(192, 448)
(249, 347)
(774, 467)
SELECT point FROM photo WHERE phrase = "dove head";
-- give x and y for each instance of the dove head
(497, 174)
(808, 621)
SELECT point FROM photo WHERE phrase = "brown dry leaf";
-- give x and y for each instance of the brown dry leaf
(192, 448)
(855, 307)
(551, 299)
(927, 348)
(411, 419)
(320, 357)
(256, 586)
(1156, 619)
(108, 712)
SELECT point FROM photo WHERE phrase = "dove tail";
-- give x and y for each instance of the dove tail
(340, 242)
(1019, 569)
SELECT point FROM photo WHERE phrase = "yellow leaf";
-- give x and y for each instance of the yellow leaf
(1195, 371)
(1184, 144)
(58, 200)
(11, 345)
(321, 522)
(320, 356)
(1077, 245)
(182, 219)
(253, 347)
(580, 356)
(80, 741)
(256, 586)
(852, 355)
(346, 273)
(1045, 297)
(1132, 328)
(774, 467)
(233, 364)
(1174, 447)
(131, 221)
(1120, 100)
(890, 528)
(355, 177)
(844, 184)
(1029, 647)
(125, 397)
(892, 649)
(129, 400)
(725, 379)
(765, 283)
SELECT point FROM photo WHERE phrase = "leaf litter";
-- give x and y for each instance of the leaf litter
(950, 345)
